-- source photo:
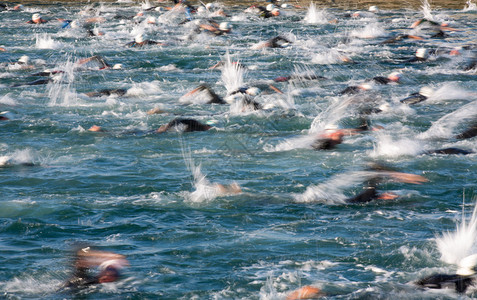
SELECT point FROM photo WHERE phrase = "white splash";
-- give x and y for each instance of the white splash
(60, 91)
(470, 6)
(232, 74)
(315, 16)
(387, 146)
(426, 10)
(44, 41)
(331, 191)
(19, 157)
(459, 247)
(444, 127)
(370, 31)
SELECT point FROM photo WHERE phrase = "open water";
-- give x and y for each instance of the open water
(144, 195)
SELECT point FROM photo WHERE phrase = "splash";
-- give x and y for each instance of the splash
(44, 41)
(315, 16)
(60, 91)
(426, 10)
(386, 146)
(470, 6)
(17, 158)
(459, 247)
(443, 128)
(370, 31)
(232, 74)
(331, 191)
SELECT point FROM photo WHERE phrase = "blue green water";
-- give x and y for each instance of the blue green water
(131, 191)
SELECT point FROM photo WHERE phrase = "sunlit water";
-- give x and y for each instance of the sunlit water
(151, 196)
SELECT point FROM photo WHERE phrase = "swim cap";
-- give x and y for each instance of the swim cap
(275, 12)
(284, 5)
(422, 53)
(426, 91)
(395, 76)
(117, 66)
(253, 91)
(139, 38)
(373, 8)
(151, 20)
(24, 59)
(225, 26)
(365, 86)
(209, 5)
(270, 7)
(35, 17)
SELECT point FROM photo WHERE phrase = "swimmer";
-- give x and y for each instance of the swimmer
(299, 77)
(139, 42)
(215, 29)
(184, 125)
(2, 49)
(457, 282)
(22, 63)
(456, 151)
(205, 90)
(401, 37)
(36, 19)
(393, 77)
(107, 92)
(3, 116)
(331, 138)
(468, 133)
(423, 94)
(421, 55)
(370, 192)
(110, 265)
(276, 42)
(305, 292)
(97, 60)
(352, 90)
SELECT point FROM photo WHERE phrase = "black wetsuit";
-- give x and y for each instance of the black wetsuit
(214, 98)
(368, 194)
(413, 99)
(439, 281)
(278, 42)
(188, 124)
(350, 90)
(449, 151)
(144, 43)
(469, 133)
(107, 92)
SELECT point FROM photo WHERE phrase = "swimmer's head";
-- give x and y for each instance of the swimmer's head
(35, 17)
(373, 9)
(270, 7)
(253, 91)
(209, 6)
(456, 51)
(110, 270)
(23, 60)
(151, 20)
(422, 53)
(18, 7)
(117, 66)
(395, 76)
(365, 87)
(225, 26)
(139, 38)
(95, 128)
(284, 5)
(275, 12)
(426, 91)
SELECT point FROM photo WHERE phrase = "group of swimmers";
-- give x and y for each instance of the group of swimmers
(110, 264)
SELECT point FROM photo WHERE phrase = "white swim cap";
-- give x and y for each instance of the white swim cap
(365, 86)
(117, 66)
(270, 7)
(139, 38)
(253, 91)
(373, 8)
(24, 59)
(395, 76)
(35, 17)
(422, 53)
(209, 5)
(284, 5)
(225, 26)
(151, 20)
(426, 91)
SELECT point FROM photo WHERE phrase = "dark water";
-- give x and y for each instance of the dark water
(131, 191)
